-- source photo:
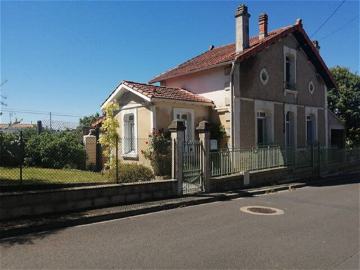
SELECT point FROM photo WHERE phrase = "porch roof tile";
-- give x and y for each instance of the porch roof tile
(154, 91)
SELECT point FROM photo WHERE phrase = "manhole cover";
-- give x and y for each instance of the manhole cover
(262, 210)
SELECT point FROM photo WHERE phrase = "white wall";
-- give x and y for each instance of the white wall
(208, 83)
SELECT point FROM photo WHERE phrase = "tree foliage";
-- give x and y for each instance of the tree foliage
(55, 150)
(86, 121)
(345, 102)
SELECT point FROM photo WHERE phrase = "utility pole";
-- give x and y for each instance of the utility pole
(50, 122)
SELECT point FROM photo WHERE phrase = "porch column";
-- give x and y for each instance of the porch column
(204, 134)
(177, 129)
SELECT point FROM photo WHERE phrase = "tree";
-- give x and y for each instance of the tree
(86, 121)
(345, 102)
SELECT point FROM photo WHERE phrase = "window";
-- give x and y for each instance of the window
(264, 76)
(310, 129)
(262, 132)
(129, 133)
(311, 87)
(289, 69)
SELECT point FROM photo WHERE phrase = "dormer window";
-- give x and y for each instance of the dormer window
(289, 69)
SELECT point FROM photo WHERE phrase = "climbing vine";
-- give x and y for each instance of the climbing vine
(109, 128)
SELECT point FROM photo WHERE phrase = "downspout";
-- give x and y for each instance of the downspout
(232, 103)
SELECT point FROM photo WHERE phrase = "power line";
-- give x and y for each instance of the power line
(340, 28)
(39, 112)
(328, 18)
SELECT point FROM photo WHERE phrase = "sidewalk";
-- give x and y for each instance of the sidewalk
(51, 222)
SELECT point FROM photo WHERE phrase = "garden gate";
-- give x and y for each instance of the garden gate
(192, 167)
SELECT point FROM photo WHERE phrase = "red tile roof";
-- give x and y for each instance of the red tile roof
(99, 121)
(17, 125)
(154, 91)
(227, 53)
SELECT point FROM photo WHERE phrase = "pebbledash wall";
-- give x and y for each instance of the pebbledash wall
(32, 203)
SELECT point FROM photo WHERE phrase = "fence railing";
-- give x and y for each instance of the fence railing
(232, 161)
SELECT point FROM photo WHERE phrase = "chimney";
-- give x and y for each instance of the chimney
(316, 45)
(263, 25)
(242, 28)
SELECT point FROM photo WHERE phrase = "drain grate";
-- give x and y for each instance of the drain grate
(262, 210)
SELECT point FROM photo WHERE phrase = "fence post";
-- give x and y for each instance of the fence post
(117, 159)
(98, 149)
(177, 129)
(21, 156)
(204, 134)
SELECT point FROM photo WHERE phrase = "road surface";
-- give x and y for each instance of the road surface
(318, 230)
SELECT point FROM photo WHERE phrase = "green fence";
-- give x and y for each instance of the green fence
(232, 161)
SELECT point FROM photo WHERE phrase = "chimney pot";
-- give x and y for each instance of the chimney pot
(242, 28)
(316, 45)
(263, 25)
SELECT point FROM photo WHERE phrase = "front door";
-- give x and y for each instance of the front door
(185, 118)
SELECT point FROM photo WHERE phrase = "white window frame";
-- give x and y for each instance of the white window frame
(134, 153)
(264, 71)
(313, 86)
(191, 130)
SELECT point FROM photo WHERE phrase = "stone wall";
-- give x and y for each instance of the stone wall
(32, 203)
(278, 176)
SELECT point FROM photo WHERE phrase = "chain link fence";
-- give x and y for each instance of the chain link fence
(58, 154)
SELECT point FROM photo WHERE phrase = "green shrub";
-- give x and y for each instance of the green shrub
(55, 150)
(131, 173)
(9, 149)
(159, 152)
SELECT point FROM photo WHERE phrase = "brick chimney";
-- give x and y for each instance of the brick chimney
(263, 25)
(316, 45)
(242, 28)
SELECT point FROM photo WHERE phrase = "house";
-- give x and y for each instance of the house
(267, 89)
(14, 128)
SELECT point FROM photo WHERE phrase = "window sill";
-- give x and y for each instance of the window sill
(131, 155)
(289, 91)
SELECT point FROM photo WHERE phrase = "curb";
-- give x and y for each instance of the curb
(59, 224)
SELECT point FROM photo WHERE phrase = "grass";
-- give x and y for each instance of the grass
(41, 176)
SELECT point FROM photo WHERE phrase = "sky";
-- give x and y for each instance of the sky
(66, 57)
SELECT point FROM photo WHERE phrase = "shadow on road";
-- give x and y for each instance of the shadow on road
(28, 239)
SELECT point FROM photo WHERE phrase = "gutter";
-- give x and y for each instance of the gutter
(231, 103)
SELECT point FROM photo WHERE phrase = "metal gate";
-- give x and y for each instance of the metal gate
(192, 167)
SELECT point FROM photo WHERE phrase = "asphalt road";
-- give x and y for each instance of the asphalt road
(318, 230)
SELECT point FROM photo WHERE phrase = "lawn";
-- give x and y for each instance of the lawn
(40, 176)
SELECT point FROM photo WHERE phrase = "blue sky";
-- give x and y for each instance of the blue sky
(68, 56)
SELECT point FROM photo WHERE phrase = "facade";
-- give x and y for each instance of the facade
(264, 90)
